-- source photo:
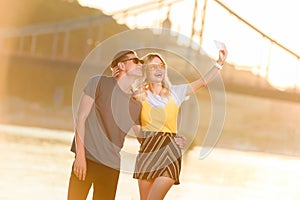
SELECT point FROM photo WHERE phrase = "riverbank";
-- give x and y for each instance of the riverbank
(251, 123)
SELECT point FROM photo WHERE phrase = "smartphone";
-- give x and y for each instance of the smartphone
(219, 45)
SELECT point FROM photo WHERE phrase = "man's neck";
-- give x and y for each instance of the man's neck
(125, 83)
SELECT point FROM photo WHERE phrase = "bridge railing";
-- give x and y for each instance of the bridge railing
(24, 41)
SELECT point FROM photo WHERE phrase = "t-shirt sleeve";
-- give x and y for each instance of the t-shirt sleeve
(138, 119)
(179, 93)
(135, 111)
(91, 86)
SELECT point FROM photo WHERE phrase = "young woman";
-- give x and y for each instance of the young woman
(158, 163)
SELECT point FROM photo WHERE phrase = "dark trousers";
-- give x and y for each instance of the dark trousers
(104, 180)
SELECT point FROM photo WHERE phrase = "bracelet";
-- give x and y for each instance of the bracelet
(217, 65)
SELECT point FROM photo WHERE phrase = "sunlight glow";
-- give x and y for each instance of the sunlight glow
(246, 47)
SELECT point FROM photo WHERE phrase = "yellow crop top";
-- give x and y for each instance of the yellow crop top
(163, 119)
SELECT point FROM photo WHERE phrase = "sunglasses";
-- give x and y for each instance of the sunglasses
(155, 66)
(134, 60)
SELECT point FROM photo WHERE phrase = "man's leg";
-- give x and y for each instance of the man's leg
(78, 190)
(105, 184)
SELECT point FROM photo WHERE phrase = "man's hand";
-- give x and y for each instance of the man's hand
(115, 71)
(79, 167)
(180, 141)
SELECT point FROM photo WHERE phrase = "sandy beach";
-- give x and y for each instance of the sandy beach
(37, 166)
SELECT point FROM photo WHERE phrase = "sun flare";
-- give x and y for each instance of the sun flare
(246, 47)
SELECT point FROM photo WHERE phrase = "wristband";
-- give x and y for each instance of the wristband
(217, 65)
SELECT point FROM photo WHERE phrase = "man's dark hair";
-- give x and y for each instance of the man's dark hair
(120, 56)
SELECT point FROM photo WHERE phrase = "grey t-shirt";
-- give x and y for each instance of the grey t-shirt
(112, 115)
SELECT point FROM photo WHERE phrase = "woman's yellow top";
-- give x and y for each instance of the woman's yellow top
(160, 119)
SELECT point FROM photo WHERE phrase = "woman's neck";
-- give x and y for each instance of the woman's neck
(155, 88)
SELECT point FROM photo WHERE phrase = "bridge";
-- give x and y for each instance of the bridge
(51, 48)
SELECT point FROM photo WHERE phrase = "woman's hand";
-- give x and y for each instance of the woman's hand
(222, 55)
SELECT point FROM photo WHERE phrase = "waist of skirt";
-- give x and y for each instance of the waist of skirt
(146, 134)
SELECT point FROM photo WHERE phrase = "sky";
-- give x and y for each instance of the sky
(276, 18)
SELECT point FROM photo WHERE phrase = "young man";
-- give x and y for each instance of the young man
(106, 113)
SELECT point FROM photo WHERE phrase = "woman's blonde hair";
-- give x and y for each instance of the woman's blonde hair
(141, 86)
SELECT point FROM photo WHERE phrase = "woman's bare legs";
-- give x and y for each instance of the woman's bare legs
(155, 189)
(144, 187)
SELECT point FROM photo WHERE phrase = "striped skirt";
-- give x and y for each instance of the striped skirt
(159, 155)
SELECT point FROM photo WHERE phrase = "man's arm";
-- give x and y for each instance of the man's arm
(84, 109)
(180, 141)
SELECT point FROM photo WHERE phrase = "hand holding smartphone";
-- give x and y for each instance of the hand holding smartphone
(219, 45)
(222, 52)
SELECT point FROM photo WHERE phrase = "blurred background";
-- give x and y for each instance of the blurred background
(43, 43)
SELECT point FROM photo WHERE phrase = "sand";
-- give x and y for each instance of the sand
(37, 166)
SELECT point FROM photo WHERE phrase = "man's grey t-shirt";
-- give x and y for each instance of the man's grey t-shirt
(111, 117)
